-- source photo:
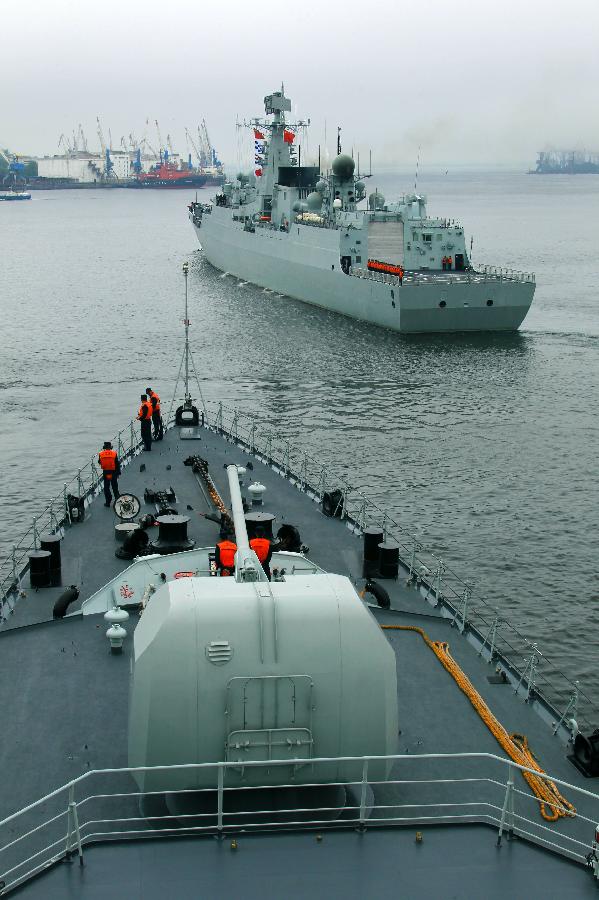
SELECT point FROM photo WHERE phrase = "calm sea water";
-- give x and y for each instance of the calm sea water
(485, 445)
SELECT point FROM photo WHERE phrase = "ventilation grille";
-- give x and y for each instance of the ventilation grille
(219, 652)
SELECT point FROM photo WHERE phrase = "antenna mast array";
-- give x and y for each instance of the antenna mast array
(187, 414)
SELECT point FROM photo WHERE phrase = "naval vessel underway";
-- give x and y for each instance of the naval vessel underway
(292, 229)
(353, 721)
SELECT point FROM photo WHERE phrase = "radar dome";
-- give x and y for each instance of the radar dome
(376, 201)
(321, 186)
(297, 206)
(343, 167)
(314, 201)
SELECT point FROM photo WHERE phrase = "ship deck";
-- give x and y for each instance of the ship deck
(64, 704)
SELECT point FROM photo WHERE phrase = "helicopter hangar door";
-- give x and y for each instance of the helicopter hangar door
(385, 242)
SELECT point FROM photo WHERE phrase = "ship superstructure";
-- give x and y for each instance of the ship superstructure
(295, 230)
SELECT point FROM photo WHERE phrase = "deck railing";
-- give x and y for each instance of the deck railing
(481, 274)
(54, 517)
(536, 674)
(420, 789)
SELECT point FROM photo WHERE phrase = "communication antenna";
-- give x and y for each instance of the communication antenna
(370, 161)
(338, 140)
(417, 167)
(187, 414)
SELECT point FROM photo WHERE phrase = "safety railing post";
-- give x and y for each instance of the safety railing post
(490, 638)
(363, 794)
(35, 533)
(529, 673)
(120, 448)
(73, 839)
(253, 438)
(131, 437)
(219, 823)
(508, 807)
(438, 574)
(67, 512)
(286, 458)
(79, 484)
(571, 709)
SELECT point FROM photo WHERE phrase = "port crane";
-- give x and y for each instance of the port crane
(108, 164)
(14, 174)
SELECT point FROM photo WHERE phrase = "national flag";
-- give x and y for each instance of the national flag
(288, 136)
(258, 135)
(258, 172)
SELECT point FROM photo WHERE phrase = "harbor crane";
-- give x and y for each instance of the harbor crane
(193, 144)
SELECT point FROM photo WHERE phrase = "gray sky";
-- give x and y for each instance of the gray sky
(484, 82)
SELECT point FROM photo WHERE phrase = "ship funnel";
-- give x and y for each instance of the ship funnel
(247, 565)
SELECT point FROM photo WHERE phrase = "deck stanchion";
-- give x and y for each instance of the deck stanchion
(462, 612)
(73, 831)
(35, 533)
(363, 795)
(529, 672)
(131, 437)
(219, 824)
(121, 451)
(439, 573)
(508, 807)
(67, 512)
(490, 638)
(79, 483)
(571, 709)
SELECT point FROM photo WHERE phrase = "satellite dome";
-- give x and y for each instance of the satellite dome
(321, 186)
(297, 206)
(343, 167)
(376, 201)
(314, 201)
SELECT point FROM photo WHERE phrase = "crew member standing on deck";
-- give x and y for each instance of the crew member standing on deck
(224, 556)
(111, 469)
(156, 417)
(262, 547)
(449, 262)
(145, 417)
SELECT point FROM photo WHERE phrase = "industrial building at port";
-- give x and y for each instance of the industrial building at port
(132, 161)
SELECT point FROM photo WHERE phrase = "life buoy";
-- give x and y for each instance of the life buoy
(184, 574)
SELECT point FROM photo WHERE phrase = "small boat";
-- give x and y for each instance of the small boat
(16, 195)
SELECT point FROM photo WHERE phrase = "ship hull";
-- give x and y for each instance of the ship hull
(304, 264)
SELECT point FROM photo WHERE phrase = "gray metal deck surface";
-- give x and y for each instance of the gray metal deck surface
(452, 864)
(64, 707)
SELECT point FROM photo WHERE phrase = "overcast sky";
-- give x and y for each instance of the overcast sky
(483, 82)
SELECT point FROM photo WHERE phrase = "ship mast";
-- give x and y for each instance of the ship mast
(187, 399)
(186, 414)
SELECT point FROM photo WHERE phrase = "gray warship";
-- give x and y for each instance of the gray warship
(292, 229)
(360, 724)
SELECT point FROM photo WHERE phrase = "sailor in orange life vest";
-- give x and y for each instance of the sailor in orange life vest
(111, 469)
(145, 417)
(156, 417)
(262, 547)
(224, 556)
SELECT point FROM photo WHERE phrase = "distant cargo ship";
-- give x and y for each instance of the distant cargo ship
(566, 162)
(168, 175)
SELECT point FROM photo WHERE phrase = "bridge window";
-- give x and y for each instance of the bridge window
(427, 238)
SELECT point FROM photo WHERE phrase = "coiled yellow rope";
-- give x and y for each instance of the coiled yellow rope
(552, 804)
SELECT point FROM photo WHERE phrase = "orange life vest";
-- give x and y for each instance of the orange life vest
(154, 397)
(227, 551)
(145, 410)
(261, 547)
(108, 462)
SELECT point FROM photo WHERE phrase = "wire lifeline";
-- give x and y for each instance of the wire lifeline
(515, 745)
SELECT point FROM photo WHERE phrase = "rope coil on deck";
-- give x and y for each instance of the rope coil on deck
(552, 804)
